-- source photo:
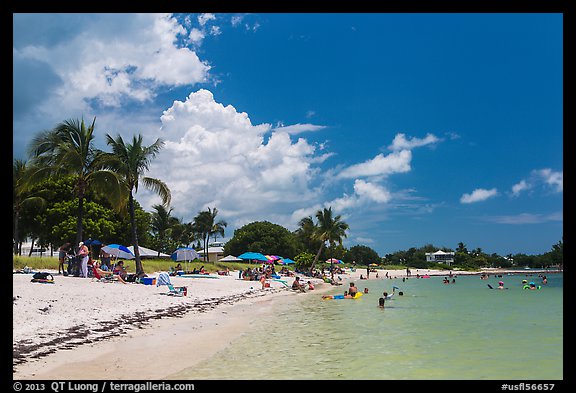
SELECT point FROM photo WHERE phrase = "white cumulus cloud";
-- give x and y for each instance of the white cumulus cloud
(299, 128)
(478, 195)
(381, 165)
(540, 177)
(118, 56)
(215, 157)
(551, 178)
(401, 143)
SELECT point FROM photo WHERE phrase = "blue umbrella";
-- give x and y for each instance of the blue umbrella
(119, 251)
(185, 254)
(286, 261)
(91, 242)
(253, 255)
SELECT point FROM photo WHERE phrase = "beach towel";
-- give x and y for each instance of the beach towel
(163, 279)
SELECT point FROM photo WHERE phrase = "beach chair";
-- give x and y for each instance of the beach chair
(164, 279)
(103, 278)
(176, 291)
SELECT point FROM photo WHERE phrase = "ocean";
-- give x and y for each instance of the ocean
(435, 331)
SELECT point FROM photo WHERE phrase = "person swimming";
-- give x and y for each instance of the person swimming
(345, 296)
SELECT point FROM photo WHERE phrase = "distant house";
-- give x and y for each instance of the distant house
(215, 252)
(447, 258)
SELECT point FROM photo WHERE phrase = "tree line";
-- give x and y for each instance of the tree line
(70, 191)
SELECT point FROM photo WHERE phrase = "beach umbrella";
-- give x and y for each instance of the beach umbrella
(92, 242)
(185, 254)
(230, 258)
(253, 256)
(147, 252)
(286, 261)
(119, 251)
(334, 260)
(272, 258)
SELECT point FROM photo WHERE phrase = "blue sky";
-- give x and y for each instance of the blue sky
(416, 128)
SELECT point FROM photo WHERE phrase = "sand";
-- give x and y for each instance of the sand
(80, 328)
(60, 329)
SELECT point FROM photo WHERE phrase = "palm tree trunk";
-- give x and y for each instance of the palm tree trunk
(16, 228)
(79, 228)
(316, 257)
(139, 268)
(31, 247)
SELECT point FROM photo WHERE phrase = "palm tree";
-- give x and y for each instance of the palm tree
(68, 150)
(217, 226)
(131, 161)
(162, 221)
(328, 229)
(305, 232)
(21, 198)
(205, 225)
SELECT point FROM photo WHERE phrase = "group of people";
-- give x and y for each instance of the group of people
(298, 286)
(352, 292)
(82, 252)
(256, 273)
(102, 267)
(118, 273)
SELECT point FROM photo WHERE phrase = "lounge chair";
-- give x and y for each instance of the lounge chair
(107, 277)
(164, 279)
(176, 291)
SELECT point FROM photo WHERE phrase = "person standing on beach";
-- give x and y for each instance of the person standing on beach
(83, 253)
(62, 252)
(263, 280)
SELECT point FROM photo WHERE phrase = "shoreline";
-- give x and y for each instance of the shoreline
(82, 329)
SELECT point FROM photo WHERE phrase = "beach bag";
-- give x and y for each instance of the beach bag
(42, 276)
(131, 278)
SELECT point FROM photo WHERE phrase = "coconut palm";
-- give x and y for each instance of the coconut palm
(305, 233)
(328, 229)
(217, 226)
(21, 198)
(68, 150)
(131, 161)
(205, 225)
(161, 223)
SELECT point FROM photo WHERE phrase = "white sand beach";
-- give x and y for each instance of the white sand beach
(59, 327)
(135, 331)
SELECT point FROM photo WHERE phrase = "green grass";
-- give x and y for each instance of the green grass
(158, 265)
(149, 265)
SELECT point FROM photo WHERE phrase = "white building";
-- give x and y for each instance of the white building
(215, 252)
(440, 256)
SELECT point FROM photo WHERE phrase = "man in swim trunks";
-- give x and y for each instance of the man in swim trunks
(353, 290)
(297, 286)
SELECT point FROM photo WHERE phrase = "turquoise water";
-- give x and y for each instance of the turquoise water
(456, 331)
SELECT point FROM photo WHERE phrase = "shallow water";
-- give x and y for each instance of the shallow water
(456, 331)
